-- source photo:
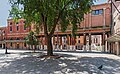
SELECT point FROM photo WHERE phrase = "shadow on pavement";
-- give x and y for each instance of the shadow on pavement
(64, 65)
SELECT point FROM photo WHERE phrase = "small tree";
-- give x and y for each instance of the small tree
(50, 13)
(32, 40)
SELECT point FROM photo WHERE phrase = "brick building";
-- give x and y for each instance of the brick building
(114, 39)
(15, 34)
(2, 37)
(93, 30)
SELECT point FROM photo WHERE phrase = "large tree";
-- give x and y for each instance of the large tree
(49, 13)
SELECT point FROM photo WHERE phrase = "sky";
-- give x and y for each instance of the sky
(4, 12)
(5, 7)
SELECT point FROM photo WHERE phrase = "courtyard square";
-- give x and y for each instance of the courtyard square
(71, 62)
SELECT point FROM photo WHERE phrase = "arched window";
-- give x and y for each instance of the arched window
(11, 44)
(24, 44)
(17, 39)
(10, 23)
(11, 39)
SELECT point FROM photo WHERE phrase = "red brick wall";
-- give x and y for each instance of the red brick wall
(97, 20)
(2, 33)
(21, 33)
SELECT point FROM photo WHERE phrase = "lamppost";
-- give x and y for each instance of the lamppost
(6, 41)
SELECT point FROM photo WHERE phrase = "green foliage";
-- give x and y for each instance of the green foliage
(51, 12)
(31, 39)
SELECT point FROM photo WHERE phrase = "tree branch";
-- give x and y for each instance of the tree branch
(56, 20)
(54, 26)
(44, 24)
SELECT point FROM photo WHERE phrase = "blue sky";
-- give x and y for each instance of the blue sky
(101, 1)
(5, 7)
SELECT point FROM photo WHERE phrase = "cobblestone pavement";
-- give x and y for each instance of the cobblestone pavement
(71, 62)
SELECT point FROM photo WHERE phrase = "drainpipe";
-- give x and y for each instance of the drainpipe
(111, 26)
(104, 22)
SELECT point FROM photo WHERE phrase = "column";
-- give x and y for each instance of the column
(72, 42)
(114, 48)
(43, 43)
(57, 41)
(84, 39)
(111, 48)
(90, 41)
(67, 42)
(60, 42)
(119, 47)
(70, 39)
(108, 44)
(2, 45)
(103, 42)
(22, 45)
(53, 42)
(117, 52)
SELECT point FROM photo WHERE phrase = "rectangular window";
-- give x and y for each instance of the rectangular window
(97, 12)
(93, 12)
(10, 28)
(17, 27)
(101, 11)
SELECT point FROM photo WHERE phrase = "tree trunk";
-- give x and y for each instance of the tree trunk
(49, 46)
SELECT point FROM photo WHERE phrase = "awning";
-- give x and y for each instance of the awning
(114, 38)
